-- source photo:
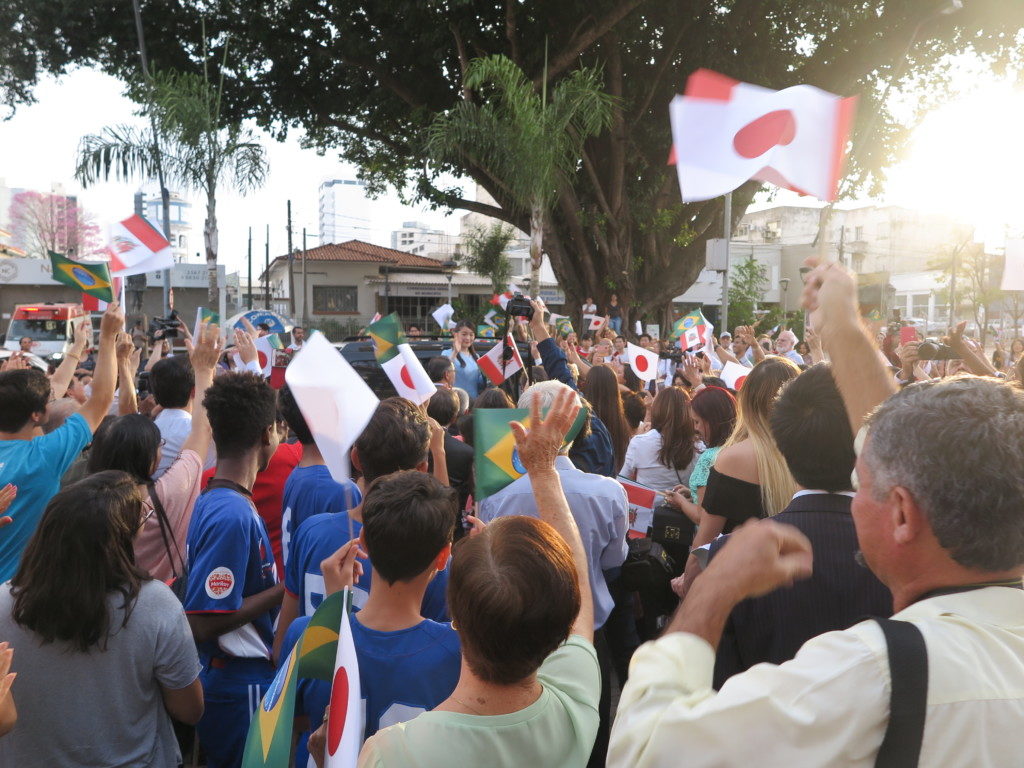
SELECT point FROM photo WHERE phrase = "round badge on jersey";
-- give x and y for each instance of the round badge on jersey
(220, 582)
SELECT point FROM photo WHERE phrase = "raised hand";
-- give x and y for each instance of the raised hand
(14, 363)
(7, 494)
(539, 446)
(830, 295)
(760, 557)
(112, 321)
(246, 346)
(124, 347)
(341, 569)
(207, 348)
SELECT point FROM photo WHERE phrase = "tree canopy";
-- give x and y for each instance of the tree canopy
(368, 78)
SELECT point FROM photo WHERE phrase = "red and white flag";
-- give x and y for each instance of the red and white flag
(726, 132)
(641, 501)
(643, 362)
(264, 355)
(408, 376)
(136, 247)
(344, 723)
(594, 322)
(734, 374)
(491, 365)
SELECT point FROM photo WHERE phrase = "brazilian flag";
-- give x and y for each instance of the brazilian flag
(497, 460)
(269, 743)
(386, 335)
(485, 331)
(563, 326)
(91, 279)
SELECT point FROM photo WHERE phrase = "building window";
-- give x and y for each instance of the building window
(919, 305)
(181, 241)
(858, 234)
(335, 299)
(772, 231)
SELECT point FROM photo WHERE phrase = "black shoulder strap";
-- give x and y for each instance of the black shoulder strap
(908, 670)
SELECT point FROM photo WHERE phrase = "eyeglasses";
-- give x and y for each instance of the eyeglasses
(145, 517)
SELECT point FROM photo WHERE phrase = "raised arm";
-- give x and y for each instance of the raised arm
(538, 449)
(830, 295)
(156, 353)
(205, 353)
(105, 375)
(551, 356)
(61, 379)
(127, 398)
(974, 362)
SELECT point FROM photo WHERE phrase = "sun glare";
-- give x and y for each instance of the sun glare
(967, 159)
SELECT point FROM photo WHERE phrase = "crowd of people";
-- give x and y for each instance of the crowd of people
(169, 527)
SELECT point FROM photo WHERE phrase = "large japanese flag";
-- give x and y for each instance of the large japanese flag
(408, 377)
(136, 247)
(643, 363)
(725, 132)
(734, 374)
(491, 365)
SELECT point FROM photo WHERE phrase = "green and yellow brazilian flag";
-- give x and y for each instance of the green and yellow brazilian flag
(269, 744)
(92, 279)
(497, 460)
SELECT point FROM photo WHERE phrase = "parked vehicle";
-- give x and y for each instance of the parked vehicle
(50, 326)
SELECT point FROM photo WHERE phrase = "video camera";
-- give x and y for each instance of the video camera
(164, 327)
(519, 306)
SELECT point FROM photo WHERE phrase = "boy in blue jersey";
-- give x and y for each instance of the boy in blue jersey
(310, 489)
(407, 664)
(398, 436)
(32, 462)
(233, 593)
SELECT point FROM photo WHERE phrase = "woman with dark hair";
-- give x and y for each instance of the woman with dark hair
(601, 389)
(104, 652)
(132, 444)
(663, 457)
(530, 682)
(467, 372)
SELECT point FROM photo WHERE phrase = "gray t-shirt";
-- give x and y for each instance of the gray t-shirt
(102, 708)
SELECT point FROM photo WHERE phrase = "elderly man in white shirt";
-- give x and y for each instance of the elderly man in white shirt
(938, 520)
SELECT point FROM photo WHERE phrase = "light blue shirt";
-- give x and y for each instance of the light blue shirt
(35, 466)
(599, 507)
(468, 376)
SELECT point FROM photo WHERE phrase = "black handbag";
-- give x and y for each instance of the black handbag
(673, 531)
(647, 568)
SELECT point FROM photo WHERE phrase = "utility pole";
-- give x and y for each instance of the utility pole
(291, 270)
(248, 284)
(727, 215)
(266, 273)
(165, 196)
(842, 239)
(305, 294)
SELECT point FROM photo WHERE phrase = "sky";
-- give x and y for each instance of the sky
(39, 143)
(965, 158)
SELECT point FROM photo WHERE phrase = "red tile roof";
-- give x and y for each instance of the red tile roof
(367, 253)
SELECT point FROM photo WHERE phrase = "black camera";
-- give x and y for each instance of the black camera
(933, 349)
(164, 327)
(518, 306)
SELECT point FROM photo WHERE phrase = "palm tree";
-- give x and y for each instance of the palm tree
(525, 143)
(198, 148)
(485, 254)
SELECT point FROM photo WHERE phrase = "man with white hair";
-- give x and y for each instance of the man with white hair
(598, 504)
(785, 346)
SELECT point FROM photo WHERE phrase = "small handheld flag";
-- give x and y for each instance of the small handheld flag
(403, 368)
(643, 362)
(642, 501)
(594, 322)
(491, 363)
(344, 726)
(734, 374)
(485, 331)
(91, 279)
(136, 246)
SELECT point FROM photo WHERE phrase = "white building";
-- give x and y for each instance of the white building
(416, 237)
(344, 211)
(149, 202)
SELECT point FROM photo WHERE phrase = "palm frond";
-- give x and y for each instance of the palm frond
(121, 152)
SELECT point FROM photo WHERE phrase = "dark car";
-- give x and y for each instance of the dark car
(358, 351)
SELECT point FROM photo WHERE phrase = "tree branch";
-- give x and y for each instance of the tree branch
(583, 40)
(656, 80)
(460, 47)
(386, 80)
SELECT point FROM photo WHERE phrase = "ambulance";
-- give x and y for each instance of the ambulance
(48, 325)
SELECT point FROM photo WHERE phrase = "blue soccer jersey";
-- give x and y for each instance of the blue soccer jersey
(229, 558)
(320, 537)
(401, 674)
(312, 491)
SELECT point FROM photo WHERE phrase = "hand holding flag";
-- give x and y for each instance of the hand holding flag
(643, 362)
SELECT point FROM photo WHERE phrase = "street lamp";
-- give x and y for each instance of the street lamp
(784, 284)
(448, 267)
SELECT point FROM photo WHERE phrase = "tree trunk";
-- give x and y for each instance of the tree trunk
(210, 241)
(536, 247)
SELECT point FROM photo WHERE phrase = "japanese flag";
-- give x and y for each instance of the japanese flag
(491, 365)
(344, 724)
(264, 355)
(734, 374)
(136, 247)
(725, 132)
(408, 377)
(643, 363)
(594, 322)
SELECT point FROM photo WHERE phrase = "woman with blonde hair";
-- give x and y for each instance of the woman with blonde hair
(750, 478)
